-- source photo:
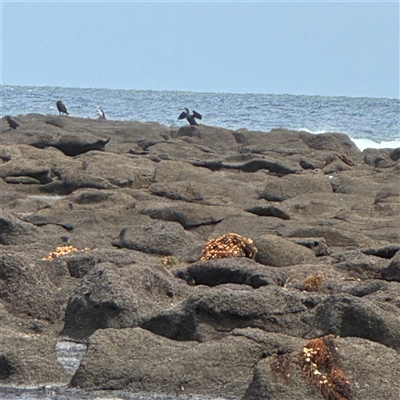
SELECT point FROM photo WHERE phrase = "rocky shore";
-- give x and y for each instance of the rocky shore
(198, 261)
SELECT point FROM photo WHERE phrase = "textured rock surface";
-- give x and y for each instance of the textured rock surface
(138, 201)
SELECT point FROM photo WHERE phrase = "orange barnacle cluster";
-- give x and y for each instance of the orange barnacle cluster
(228, 245)
(62, 251)
(312, 283)
(319, 364)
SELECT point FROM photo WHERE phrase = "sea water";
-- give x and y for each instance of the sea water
(369, 122)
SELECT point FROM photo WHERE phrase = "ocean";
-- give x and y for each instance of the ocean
(369, 122)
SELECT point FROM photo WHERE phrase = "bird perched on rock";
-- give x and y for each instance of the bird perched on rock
(190, 117)
(61, 108)
(13, 124)
(101, 113)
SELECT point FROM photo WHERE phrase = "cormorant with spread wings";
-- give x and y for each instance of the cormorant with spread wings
(190, 117)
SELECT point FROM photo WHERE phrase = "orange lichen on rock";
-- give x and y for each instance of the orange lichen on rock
(228, 245)
(281, 365)
(62, 251)
(319, 364)
(169, 261)
(312, 283)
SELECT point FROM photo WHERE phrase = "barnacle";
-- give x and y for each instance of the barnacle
(228, 245)
(318, 360)
(169, 261)
(62, 251)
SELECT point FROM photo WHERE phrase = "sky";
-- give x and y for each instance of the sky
(306, 48)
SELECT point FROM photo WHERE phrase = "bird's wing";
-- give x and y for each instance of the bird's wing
(196, 115)
(183, 115)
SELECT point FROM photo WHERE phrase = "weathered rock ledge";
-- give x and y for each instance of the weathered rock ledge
(137, 202)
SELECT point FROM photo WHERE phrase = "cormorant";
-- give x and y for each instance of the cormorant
(101, 113)
(13, 124)
(190, 117)
(61, 108)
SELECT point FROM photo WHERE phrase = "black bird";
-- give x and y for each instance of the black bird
(61, 108)
(190, 117)
(13, 124)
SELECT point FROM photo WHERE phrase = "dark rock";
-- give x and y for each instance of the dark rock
(317, 245)
(80, 266)
(56, 121)
(357, 289)
(280, 252)
(187, 214)
(14, 170)
(384, 252)
(71, 145)
(395, 154)
(70, 183)
(20, 291)
(241, 271)
(379, 158)
(269, 211)
(92, 196)
(15, 231)
(24, 180)
(280, 189)
(392, 272)
(156, 237)
(288, 382)
(349, 316)
(207, 376)
(104, 247)
(338, 142)
(253, 165)
(21, 354)
(6, 368)
(110, 297)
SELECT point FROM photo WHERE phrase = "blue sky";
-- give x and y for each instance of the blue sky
(310, 48)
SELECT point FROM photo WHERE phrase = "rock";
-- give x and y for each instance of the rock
(280, 189)
(392, 272)
(240, 271)
(198, 364)
(100, 242)
(317, 245)
(157, 237)
(380, 158)
(214, 312)
(277, 376)
(338, 142)
(15, 231)
(71, 145)
(279, 252)
(350, 316)
(111, 297)
(384, 252)
(29, 358)
(187, 214)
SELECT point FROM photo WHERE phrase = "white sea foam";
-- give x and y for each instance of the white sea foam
(316, 132)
